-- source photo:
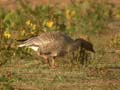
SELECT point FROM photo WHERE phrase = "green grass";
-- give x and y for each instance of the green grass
(21, 70)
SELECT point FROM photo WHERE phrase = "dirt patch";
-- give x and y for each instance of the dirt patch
(12, 4)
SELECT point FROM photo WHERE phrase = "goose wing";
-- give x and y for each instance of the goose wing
(49, 42)
(54, 42)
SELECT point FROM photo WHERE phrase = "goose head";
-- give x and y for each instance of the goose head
(81, 43)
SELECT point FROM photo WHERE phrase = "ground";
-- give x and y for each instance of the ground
(11, 4)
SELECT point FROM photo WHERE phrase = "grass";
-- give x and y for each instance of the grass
(21, 70)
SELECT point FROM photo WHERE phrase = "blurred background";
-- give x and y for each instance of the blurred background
(11, 4)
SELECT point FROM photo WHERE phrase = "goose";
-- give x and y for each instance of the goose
(55, 44)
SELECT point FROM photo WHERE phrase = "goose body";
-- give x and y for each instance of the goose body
(49, 42)
(53, 44)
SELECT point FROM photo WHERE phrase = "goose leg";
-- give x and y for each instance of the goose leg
(46, 59)
(38, 53)
(53, 65)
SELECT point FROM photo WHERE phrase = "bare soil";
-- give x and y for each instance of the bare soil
(11, 4)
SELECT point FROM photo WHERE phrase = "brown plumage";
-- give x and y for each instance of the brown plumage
(53, 44)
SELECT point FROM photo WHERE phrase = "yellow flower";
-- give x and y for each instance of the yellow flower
(28, 22)
(7, 34)
(67, 14)
(50, 24)
(32, 32)
(33, 26)
(117, 16)
(23, 32)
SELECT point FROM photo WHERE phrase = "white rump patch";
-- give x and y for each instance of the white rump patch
(22, 45)
(35, 48)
